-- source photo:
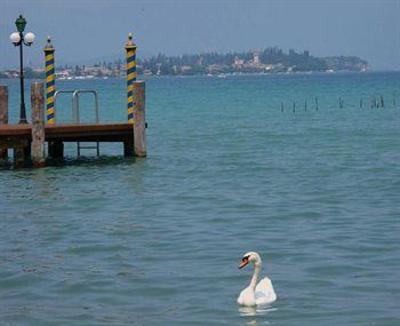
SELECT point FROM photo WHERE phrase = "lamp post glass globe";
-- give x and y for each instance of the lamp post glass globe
(20, 23)
(15, 38)
(29, 38)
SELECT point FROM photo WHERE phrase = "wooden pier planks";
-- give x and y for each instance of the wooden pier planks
(113, 132)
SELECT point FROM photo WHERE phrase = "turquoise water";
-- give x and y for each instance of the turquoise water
(158, 241)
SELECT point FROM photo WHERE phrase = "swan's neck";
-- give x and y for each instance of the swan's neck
(254, 279)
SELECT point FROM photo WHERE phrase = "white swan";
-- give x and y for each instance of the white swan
(256, 294)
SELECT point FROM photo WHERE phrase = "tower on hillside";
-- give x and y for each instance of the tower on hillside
(256, 58)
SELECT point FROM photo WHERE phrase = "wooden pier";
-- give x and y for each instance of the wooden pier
(28, 140)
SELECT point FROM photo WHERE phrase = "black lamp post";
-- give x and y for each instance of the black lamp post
(19, 39)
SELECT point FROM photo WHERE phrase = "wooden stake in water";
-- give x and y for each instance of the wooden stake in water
(316, 104)
(38, 137)
(341, 103)
(294, 107)
(305, 105)
(139, 128)
(282, 109)
(361, 103)
(382, 102)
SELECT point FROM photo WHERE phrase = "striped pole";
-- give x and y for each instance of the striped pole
(130, 48)
(50, 81)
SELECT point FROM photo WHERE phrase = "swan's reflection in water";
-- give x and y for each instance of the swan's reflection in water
(250, 313)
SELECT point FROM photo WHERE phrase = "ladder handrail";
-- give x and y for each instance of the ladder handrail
(75, 101)
(75, 109)
(57, 92)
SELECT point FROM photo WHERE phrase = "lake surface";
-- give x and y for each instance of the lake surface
(157, 241)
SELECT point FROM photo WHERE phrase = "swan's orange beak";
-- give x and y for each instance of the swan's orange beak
(244, 262)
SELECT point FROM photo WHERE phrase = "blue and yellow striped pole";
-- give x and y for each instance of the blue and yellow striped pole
(50, 81)
(130, 48)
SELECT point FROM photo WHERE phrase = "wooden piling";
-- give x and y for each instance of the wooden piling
(130, 48)
(139, 129)
(50, 81)
(3, 116)
(373, 103)
(37, 105)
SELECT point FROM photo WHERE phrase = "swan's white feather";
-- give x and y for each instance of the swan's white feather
(247, 298)
(265, 292)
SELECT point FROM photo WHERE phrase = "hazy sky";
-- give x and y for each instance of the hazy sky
(85, 31)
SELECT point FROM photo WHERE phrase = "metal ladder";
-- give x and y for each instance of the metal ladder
(76, 113)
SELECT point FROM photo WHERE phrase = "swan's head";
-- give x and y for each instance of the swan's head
(250, 257)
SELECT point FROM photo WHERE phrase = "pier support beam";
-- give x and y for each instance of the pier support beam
(37, 104)
(3, 116)
(56, 150)
(22, 152)
(139, 128)
(128, 147)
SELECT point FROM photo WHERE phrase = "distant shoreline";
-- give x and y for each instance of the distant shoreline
(272, 60)
(222, 75)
